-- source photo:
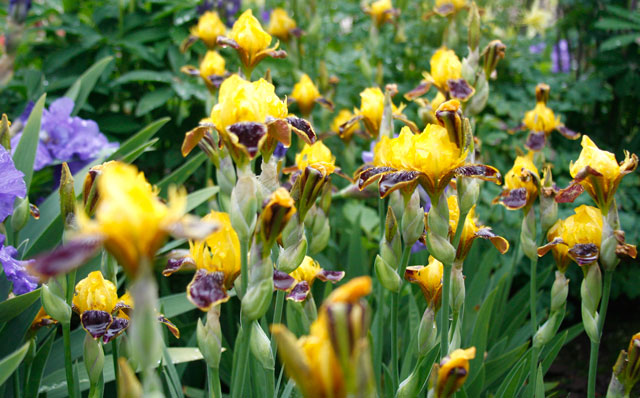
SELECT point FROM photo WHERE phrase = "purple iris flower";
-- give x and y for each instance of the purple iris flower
(280, 151)
(66, 138)
(227, 9)
(18, 9)
(560, 57)
(15, 270)
(12, 184)
(537, 48)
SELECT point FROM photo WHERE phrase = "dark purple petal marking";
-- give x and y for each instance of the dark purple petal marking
(330, 276)
(65, 258)
(536, 140)
(282, 280)
(115, 329)
(299, 292)
(174, 264)
(445, 9)
(391, 181)
(367, 176)
(96, 322)
(482, 171)
(303, 129)
(516, 198)
(460, 89)
(349, 123)
(567, 132)
(207, 289)
(249, 135)
(170, 325)
(325, 103)
(584, 253)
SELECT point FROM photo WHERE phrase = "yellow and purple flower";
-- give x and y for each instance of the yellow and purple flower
(211, 70)
(306, 95)
(521, 184)
(381, 11)
(446, 76)
(299, 282)
(282, 26)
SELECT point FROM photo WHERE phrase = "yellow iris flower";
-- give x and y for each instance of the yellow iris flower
(342, 118)
(456, 366)
(446, 74)
(429, 278)
(305, 93)
(521, 183)
(209, 27)
(317, 156)
(381, 11)
(372, 108)
(130, 218)
(281, 25)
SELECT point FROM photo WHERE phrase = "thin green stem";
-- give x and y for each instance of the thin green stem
(277, 318)
(244, 365)
(68, 365)
(395, 299)
(446, 291)
(213, 377)
(114, 356)
(595, 345)
(244, 270)
(533, 369)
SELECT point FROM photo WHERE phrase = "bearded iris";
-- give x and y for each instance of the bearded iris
(429, 278)
(211, 70)
(450, 374)
(303, 277)
(371, 110)
(333, 360)
(250, 119)
(281, 25)
(446, 76)
(216, 260)
(306, 95)
(381, 12)
(521, 184)
(597, 172)
(250, 41)
(541, 121)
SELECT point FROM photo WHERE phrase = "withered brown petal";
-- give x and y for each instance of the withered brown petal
(96, 322)
(282, 280)
(66, 257)
(249, 135)
(542, 250)
(299, 292)
(192, 138)
(224, 41)
(460, 89)
(584, 253)
(536, 140)
(570, 193)
(302, 128)
(499, 242)
(280, 130)
(419, 91)
(207, 289)
(325, 103)
(116, 328)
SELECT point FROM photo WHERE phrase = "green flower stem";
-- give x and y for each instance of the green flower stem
(533, 369)
(213, 377)
(595, 345)
(242, 341)
(446, 291)
(406, 253)
(244, 270)
(277, 318)
(66, 335)
(68, 365)
(114, 356)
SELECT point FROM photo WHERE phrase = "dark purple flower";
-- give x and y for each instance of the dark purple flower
(18, 9)
(205, 6)
(537, 48)
(67, 138)
(560, 57)
(418, 247)
(15, 270)
(27, 111)
(280, 151)
(12, 184)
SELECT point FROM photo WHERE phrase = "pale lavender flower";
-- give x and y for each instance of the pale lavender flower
(12, 184)
(537, 48)
(15, 270)
(280, 151)
(560, 57)
(66, 138)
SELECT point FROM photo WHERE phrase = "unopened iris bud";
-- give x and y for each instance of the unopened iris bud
(209, 338)
(542, 93)
(474, 26)
(261, 346)
(5, 132)
(244, 206)
(294, 245)
(55, 305)
(410, 387)
(492, 54)
(458, 291)
(93, 359)
(277, 212)
(67, 195)
(128, 384)
(20, 214)
(548, 204)
(412, 220)
(528, 234)
(387, 275)
(438, 232)
(320, 230)
(449, 116)
(427, 332)
(257, 299)
(590, 292)
(559, 291)
(468, 192)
